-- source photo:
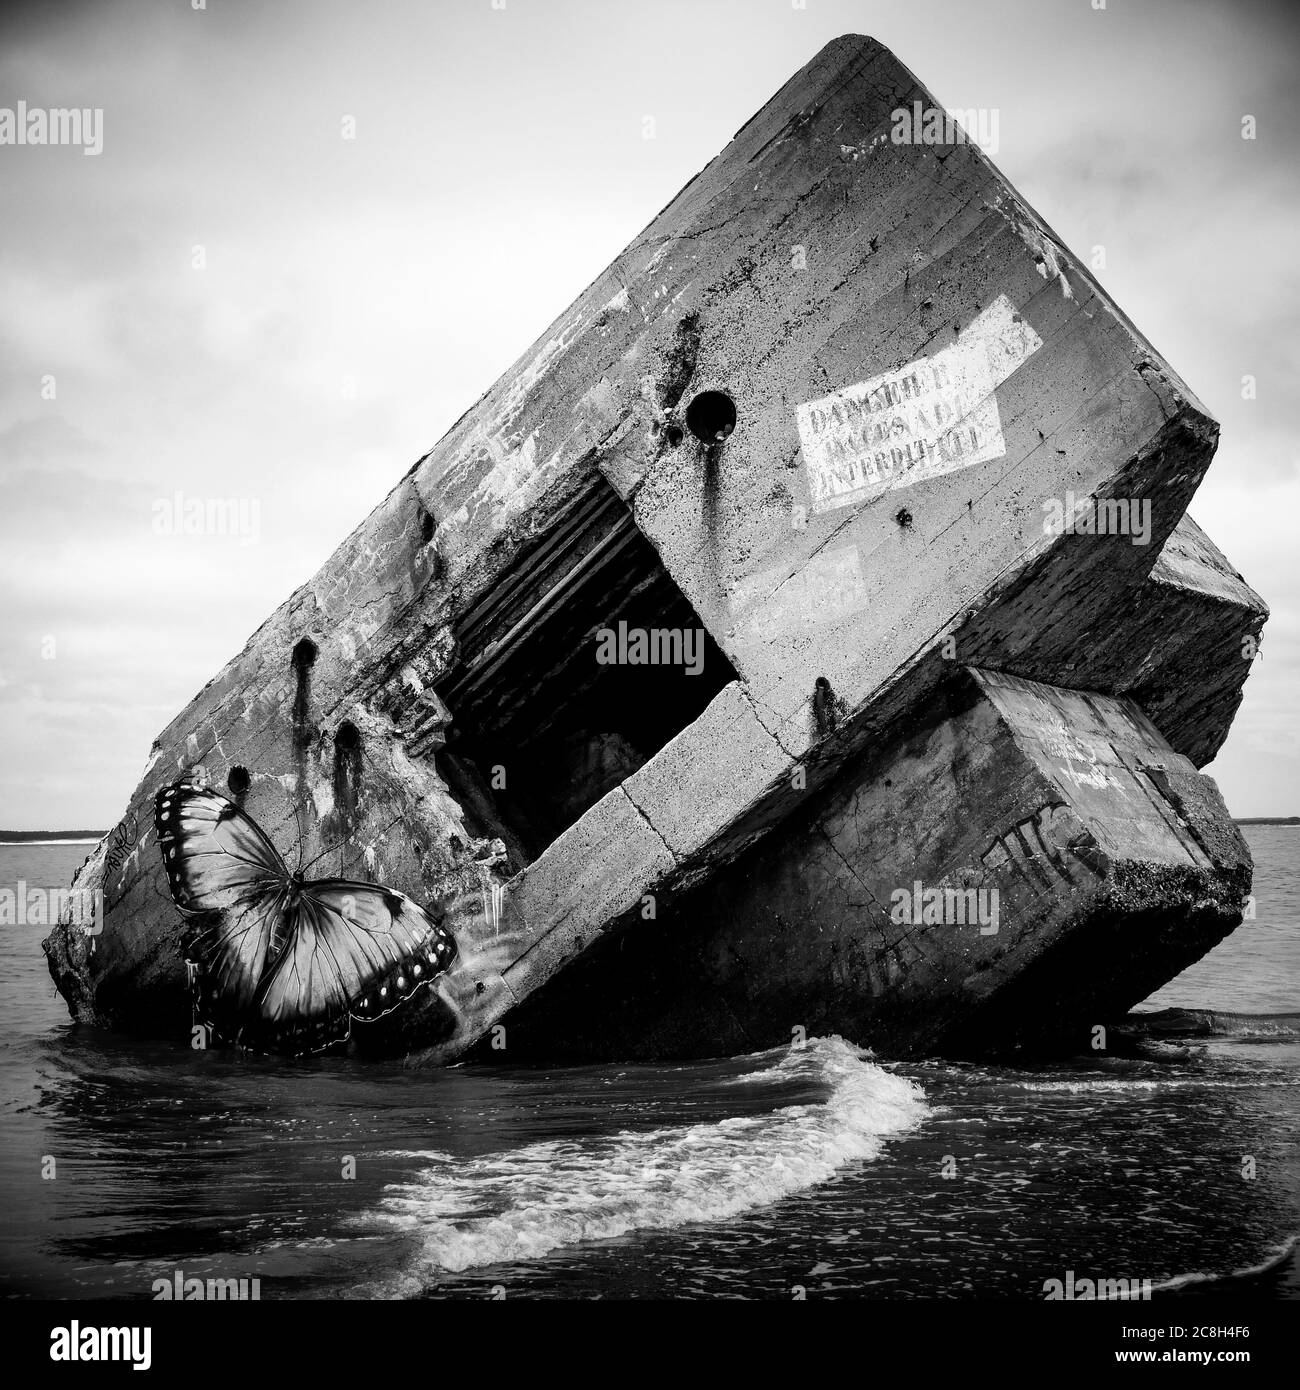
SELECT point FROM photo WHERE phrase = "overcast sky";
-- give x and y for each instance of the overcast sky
(359, 295)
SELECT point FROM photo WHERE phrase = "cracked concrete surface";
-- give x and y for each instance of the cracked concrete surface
(901, 249)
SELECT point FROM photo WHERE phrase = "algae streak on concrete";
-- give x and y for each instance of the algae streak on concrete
(816, 273)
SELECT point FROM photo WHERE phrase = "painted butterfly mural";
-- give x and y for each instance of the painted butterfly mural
(286, 963)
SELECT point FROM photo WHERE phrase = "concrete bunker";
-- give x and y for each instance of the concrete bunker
(578, 666)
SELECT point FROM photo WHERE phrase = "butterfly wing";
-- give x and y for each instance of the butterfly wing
(355, 950)
(229, 880)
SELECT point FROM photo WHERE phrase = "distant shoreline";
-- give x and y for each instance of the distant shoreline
(93, 837)
(51, 837)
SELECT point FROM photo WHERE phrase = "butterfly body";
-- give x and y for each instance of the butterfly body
(287, 963)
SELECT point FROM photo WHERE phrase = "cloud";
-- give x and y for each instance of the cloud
(357, 295)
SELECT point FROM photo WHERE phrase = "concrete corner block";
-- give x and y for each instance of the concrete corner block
(593, 873)
(715, 769)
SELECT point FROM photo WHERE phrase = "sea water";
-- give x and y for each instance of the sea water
(815, 1171)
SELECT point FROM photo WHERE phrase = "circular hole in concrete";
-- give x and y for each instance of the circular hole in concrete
(904, 518)
(674, 435)
(304, 654)
(237, 779)
(348, 736)
(711, 416)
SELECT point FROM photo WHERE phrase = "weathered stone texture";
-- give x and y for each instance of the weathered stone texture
(811, 256)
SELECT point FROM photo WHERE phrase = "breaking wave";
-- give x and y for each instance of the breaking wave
(1214, 1023)
(521, 1203)
(1275, 1259)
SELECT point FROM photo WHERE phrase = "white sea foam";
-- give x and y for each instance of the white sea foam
(521, 1203)
(1275, 1258)
(1164, 1083)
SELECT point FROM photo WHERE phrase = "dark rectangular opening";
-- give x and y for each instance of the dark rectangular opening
(541, 729)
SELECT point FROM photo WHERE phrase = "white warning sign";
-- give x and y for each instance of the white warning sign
(931, 417)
